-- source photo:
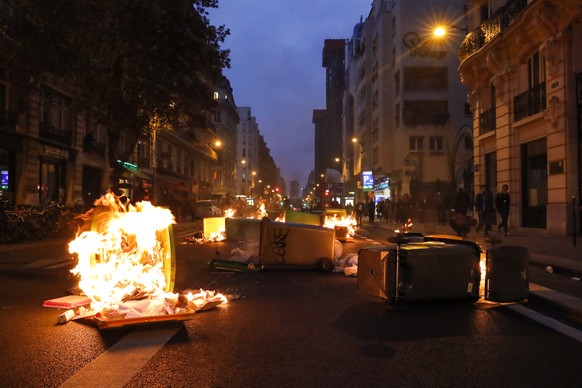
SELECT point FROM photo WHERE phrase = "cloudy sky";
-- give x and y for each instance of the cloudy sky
(276, 67)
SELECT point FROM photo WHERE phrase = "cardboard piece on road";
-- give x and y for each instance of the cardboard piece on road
(67, 302)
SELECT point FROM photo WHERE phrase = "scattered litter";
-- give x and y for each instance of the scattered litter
(66, 317)
(549, 269)
(575, 278)
(67, 302)
(348, 264)
(351, 271)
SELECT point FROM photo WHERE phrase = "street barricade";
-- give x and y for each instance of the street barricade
(286, 244)
(426, 271)
(296, 217)
(243, 229)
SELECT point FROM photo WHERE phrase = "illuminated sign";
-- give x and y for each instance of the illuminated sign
(4, 179)
(367, 181)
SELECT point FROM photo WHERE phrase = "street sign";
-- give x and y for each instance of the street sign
(367, 181)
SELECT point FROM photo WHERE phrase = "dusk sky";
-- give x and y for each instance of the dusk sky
(276, 67)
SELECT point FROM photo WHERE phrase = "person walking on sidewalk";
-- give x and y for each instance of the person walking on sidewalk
(371, 210)
(485, 209)
(502, 203)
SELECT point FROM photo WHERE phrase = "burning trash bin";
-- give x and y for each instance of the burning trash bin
(126, 266)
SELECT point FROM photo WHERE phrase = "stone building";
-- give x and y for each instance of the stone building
(522, 65)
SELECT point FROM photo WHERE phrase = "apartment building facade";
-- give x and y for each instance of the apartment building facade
(522, 65)
(406, 120)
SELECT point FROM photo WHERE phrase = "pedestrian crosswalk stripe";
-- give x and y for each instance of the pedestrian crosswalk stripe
(48, 263)
(547, 321)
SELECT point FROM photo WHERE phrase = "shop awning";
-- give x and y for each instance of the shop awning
(135, 173)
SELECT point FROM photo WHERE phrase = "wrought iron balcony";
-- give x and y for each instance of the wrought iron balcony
(499, 21)
(487, 121)
(530, 102)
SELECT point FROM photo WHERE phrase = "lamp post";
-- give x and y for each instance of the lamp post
(441, 31)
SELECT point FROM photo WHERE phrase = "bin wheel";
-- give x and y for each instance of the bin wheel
(327, 265)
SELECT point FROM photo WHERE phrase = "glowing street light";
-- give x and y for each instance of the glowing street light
(442, 30)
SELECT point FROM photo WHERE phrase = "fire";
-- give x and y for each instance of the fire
(219, 235)
(126, 258)
(349, 222)
(262, 212)
(407, 226)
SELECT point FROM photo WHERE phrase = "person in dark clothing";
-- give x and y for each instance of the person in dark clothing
(359, 212)
(461, 205)
(485, 209)
(459, 220)
(142, 193)
(371, 210)
(441, 209)
(502, 203)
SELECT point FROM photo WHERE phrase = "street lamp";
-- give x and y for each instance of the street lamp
(441, 31)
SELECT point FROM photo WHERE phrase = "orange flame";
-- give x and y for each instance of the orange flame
(350, 222)
(124, 258)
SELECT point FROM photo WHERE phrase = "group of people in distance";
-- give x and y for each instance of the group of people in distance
(486, 207)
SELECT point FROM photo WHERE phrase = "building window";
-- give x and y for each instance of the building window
(425, 79)
(217, 117)
(216, 96)
(374, 100)
(375, 130)
(435, 143)
(416, 143)
(397, 84)
(397, 115)
(375, 157)
(425, 112)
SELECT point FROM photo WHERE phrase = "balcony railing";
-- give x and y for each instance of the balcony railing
(490, 28)
(487, 121)
(58, 135)
(530, 102)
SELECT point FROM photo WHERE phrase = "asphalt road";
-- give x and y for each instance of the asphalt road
(285, 328)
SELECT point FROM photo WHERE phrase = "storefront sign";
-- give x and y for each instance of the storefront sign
(54, 152)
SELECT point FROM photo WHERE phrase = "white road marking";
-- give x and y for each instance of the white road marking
(48, 263)
(118, 364)
(547, 321)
